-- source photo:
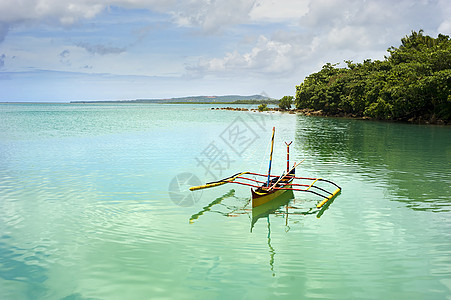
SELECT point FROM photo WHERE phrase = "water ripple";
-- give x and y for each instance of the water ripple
(85, 212)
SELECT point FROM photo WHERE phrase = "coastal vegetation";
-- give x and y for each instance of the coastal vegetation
(412, 83)
(263, 107)
(255, 102)
(285, 102)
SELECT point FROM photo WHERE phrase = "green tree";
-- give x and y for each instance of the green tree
(413, 82)
(263, 107)
(285, 102)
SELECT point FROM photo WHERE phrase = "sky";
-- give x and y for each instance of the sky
(66, 50)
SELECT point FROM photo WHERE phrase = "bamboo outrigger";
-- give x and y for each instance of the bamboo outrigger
(274, 186)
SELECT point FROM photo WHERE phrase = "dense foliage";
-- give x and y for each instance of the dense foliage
(263, 107)
(412, 83)
(285, 102)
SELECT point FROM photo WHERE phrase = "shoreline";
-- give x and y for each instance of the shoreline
(319, 113)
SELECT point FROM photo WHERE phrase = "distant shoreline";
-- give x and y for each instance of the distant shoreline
(226, 99)
(305, 111)
(238, 102)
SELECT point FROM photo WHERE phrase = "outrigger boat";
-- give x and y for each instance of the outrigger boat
(274, 186)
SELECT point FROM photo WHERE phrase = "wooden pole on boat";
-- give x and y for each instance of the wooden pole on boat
(219, 182)
(270, 156)
(288, 173)
(288, 156)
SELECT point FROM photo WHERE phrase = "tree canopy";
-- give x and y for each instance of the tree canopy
(263, 107)
(285, 102)
(412, 83)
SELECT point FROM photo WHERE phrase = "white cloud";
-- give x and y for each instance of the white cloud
(212, 15)
(66, 12)
(350, 37)
(250, 42)
(3, 31)
(445, 27)
(215, 15)
(13, 12)
(101, 49)
(278, 11)
(2, 60)
(267, 56)
(326, 31)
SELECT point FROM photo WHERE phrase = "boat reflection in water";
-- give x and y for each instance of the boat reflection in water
(263, 211)
(285, 205)
(271, 207)
(208, 208)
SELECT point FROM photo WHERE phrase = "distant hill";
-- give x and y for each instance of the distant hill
(191, 99)
(219, 99)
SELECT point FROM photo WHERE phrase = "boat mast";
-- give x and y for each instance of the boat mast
(288, 155)
(270, 156)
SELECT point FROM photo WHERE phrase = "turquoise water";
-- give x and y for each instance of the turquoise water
(90, 206)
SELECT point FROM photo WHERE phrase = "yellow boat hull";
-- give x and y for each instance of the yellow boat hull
(260, 197)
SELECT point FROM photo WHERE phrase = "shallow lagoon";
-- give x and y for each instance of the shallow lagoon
(89, 210)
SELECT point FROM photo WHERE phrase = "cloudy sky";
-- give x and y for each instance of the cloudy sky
(62, 50)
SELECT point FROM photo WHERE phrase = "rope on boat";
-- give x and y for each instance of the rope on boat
(282, 177)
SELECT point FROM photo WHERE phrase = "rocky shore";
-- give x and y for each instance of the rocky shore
(306, 111)
(310, 112)
(256, 110)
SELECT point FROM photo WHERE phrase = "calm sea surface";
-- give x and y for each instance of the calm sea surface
(94, 204)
